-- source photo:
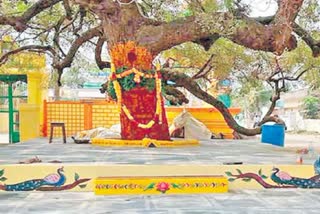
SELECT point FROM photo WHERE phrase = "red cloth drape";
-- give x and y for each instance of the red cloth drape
(141, 103)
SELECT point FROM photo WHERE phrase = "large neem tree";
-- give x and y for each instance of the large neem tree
(121, 21)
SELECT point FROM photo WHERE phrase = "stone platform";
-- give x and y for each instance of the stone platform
(246, 164)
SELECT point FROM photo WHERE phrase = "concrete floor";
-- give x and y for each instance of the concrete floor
(244, 201)
(209, 152)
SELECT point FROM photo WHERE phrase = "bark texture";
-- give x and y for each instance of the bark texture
(123, 22)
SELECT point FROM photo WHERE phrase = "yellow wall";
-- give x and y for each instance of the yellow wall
(34, 66)
(29, 121)
(19, 173)
(84, 115)
(4, 124)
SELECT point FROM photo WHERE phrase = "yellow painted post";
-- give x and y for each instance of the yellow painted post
(37, 93)
(29, 121)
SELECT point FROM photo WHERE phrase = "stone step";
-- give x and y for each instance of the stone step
(146, 142)
(160, 185)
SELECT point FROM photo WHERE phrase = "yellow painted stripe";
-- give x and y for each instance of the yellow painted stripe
(160, 185)
(143, 143)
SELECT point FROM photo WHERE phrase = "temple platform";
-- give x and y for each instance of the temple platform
(246, 164)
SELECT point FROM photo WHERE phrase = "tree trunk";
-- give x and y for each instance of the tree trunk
(123, 22)
(142, 104)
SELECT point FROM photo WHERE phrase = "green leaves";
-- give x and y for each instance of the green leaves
(111, 91)
(148, 83)
(76, 176)
(127, 83)
(246, 179)
(175, 185)
(1, 174)
(231, 179)
(210, 6)
(187, 13)
(82, 186)
(228, 4)
(311, 105)
(229, 174)
(262, 175)
(22, 6)
(150, 186)
(3, 179)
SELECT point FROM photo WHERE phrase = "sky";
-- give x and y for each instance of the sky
(261, 7)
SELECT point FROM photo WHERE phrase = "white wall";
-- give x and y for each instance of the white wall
(312, 125)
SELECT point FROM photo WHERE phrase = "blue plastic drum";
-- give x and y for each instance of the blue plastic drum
(273, 134)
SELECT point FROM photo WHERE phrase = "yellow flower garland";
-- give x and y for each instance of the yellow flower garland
(138, 74)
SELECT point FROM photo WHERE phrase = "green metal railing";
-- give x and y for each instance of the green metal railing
(13, 90)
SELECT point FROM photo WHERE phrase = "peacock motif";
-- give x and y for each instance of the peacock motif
(283, 178)
(53, 179)
(316, 166)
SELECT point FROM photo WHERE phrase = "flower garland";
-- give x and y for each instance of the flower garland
(137, 78)
(146, 80)
(131, 55)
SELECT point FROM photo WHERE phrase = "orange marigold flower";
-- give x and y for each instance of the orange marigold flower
(130, 55)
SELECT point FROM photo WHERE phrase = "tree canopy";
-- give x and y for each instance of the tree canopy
(201, 33)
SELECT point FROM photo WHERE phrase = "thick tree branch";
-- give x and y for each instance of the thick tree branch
(174, 95)
(302, 33)
(206, 43)
(182, 80)
(66, 5)
(277, 91)
(34, 48)
(206, 68)
(305, 36)
(66, 62)
(20, 22)
(98, 51)
(275, 37)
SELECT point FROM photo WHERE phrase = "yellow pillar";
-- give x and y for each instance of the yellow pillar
(31, 114)
(29, 121)
(34, 87)
(37, 92)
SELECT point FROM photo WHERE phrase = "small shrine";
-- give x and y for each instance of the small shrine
(136, 86)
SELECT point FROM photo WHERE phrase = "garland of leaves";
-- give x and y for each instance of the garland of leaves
(127, 83)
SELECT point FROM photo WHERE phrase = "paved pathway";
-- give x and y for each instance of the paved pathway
(302, 140)
(246, 201)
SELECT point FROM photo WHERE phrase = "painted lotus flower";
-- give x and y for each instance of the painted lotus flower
(163, 187)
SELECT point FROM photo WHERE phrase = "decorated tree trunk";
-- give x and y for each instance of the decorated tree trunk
(137, 88)
(142, 105)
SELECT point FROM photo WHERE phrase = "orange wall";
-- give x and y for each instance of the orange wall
(84, 115)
